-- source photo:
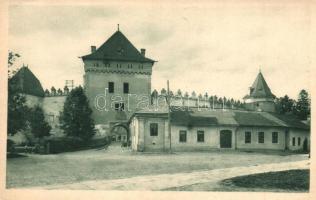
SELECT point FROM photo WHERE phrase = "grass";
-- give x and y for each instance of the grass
(71, 167)
(294, 180)
(283, 181)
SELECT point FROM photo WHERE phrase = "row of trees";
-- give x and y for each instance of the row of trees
(228, 102)
(300, 107)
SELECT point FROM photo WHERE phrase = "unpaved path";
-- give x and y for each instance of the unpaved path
(164, 181)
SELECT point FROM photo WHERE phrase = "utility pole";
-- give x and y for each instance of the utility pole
(169, 115)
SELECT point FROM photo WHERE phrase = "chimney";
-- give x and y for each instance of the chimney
(143, 51)
(93, 49)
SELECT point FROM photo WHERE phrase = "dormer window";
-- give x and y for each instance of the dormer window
(120, 50)
(251, 90)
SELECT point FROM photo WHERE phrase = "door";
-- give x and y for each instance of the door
(305, 145)
(226, 139)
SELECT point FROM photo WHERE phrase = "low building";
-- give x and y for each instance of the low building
(196, 130)
(256, 127)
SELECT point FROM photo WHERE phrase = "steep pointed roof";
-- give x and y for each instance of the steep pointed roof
(260, 88)
(24, 81)
(117, 47)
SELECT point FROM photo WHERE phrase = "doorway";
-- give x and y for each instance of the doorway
(226, 139)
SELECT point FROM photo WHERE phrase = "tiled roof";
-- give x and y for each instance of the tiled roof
(260, 88)
(185, 118)
(25, 82)
(254, 119)
(291, 121)
(196, 117)
(117, 47)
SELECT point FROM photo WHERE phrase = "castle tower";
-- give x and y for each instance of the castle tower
(116, 75)
(260, 97)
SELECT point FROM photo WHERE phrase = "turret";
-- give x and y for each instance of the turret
(260, 97)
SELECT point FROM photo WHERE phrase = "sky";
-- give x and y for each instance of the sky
(216, 48)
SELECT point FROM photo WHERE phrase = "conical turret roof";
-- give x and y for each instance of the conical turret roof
(24, 81)
(260, 88)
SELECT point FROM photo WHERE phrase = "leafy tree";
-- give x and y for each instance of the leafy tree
(76, 118)
(302, 108)
(39, 126)
(11, 58)
(17, 112)
(228, 104)
(285, 105)
(17, 108)
(220, 100)
(215, 99)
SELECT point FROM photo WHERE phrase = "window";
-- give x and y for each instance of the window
(275, 137)
(247, 137)
(111, 87)
(153, 129)
(125, 88)
(293, 141)
(183, 136)
(119, 106)
(299, 141)
(200, 136)
(261, 137)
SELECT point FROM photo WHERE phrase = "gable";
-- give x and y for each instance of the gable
(117, 48)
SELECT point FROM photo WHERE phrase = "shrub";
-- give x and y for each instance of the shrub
(58, 145)
(10, 146)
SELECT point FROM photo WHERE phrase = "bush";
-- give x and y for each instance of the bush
(98, 142)
(58, 145)
(66, 144)
(10, 146)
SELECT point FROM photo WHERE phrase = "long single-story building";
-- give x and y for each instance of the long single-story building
(195, 129)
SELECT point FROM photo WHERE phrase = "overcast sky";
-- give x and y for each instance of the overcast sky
(206, 48)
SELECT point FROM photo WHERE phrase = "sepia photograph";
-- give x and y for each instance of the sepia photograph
(203, 96)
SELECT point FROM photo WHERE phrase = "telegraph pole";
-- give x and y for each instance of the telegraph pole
(169, 115)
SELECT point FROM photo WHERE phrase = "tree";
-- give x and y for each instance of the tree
(17, 108)
(76, 118)
(302, 108)
(39, 126)
(17, 112)
(11, 58)
(285, 105)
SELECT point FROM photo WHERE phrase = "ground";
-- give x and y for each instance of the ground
(101, 165)
(280, 181)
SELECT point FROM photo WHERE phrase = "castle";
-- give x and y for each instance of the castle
(117, 82)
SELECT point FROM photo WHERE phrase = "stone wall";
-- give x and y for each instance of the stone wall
(96, 79)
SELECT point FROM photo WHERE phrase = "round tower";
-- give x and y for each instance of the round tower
(260, 97)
